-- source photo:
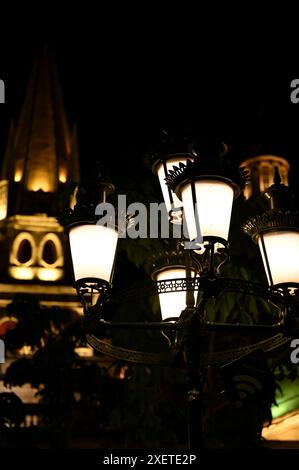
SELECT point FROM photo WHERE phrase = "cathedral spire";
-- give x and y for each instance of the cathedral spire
(41, 152)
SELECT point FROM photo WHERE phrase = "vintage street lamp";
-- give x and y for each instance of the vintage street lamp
(93, 246)
(205, 182)
(93, 250)
(277, 234)
(207, 187)
(171, 154)
(171, 268)
(161, 167)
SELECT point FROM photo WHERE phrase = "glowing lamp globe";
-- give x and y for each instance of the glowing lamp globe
(276, 232)
(207, 187)
(161, 168)
(93, 249)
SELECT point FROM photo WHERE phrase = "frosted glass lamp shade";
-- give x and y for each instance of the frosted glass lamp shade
(207, 208)
(280, 253)
(171, 200)
(93, 250)
(172, 303)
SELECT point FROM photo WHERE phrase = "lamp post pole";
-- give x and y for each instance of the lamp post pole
(191, 355)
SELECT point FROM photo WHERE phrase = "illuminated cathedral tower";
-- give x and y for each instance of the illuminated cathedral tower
(261, 168)
(40, 163)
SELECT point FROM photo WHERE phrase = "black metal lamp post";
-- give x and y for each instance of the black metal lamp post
(185, 279)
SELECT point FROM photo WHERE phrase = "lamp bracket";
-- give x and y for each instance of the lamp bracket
(93, 293)
(215, 358)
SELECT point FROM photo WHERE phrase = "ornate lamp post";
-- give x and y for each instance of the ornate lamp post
(204, 184)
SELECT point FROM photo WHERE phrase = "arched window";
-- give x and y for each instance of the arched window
(49, 254)
(24, 253)
(23, 250)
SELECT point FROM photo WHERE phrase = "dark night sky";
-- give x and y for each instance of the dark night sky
(122, 92)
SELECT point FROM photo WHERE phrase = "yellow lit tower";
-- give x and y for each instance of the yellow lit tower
(261, 168)
(40, 162)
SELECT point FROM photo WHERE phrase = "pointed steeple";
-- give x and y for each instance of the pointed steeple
(39, 156)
